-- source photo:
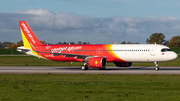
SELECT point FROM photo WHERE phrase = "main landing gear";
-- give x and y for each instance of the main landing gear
(84, 67)
(156, 67)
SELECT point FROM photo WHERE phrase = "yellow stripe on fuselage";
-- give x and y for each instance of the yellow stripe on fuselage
(109, 47)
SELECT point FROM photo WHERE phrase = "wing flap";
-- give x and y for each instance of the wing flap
(77, 56)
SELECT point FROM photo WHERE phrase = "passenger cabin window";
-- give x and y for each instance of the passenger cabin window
(165, 50)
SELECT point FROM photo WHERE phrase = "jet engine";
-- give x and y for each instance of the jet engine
(97, 62)
(123, 64)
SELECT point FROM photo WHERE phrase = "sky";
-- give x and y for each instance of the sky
(94, 21)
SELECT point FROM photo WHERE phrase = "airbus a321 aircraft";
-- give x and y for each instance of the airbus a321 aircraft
(95, 55)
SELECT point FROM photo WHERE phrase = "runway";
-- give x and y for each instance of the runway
(77, 70)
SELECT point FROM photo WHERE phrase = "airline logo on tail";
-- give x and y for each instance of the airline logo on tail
(28, 32)
(25, 28)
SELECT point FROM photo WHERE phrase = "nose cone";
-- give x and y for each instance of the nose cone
(174, 56)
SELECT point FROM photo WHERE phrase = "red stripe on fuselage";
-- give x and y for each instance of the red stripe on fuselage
(90, 50)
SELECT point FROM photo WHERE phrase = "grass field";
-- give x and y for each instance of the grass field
(34, 61)
(85, 87)
(51, 87)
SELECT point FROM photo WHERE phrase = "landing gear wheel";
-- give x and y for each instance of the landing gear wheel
(156, 68)
(84, 67)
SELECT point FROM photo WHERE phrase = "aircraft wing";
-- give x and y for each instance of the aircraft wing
(77, 56)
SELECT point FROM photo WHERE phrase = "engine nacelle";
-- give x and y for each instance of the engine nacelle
(97, 62)
(123, 64)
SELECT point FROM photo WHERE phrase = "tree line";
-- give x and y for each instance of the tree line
(157, 38)
(7, 45)
(10, 45)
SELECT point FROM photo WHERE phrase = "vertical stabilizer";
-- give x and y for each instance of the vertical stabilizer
(29, 39)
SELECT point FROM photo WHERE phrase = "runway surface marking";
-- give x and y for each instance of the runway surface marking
(77, 70)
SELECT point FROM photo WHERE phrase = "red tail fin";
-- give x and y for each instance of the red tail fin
(29, 39)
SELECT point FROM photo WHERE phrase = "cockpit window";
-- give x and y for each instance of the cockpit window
(165, 50)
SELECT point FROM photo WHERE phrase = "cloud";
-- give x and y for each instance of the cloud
(35, 11)
(60, 27)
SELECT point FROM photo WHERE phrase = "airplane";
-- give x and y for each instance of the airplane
(94, 55)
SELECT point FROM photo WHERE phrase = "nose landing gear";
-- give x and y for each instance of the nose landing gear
(156, 67)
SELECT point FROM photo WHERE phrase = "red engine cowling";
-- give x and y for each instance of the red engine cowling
(123, 64)
(97, 62)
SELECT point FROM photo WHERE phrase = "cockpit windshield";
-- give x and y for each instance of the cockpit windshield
(165, 50)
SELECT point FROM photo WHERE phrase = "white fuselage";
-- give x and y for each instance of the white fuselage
(143, 52)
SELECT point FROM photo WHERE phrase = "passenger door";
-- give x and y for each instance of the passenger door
(153, 50)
